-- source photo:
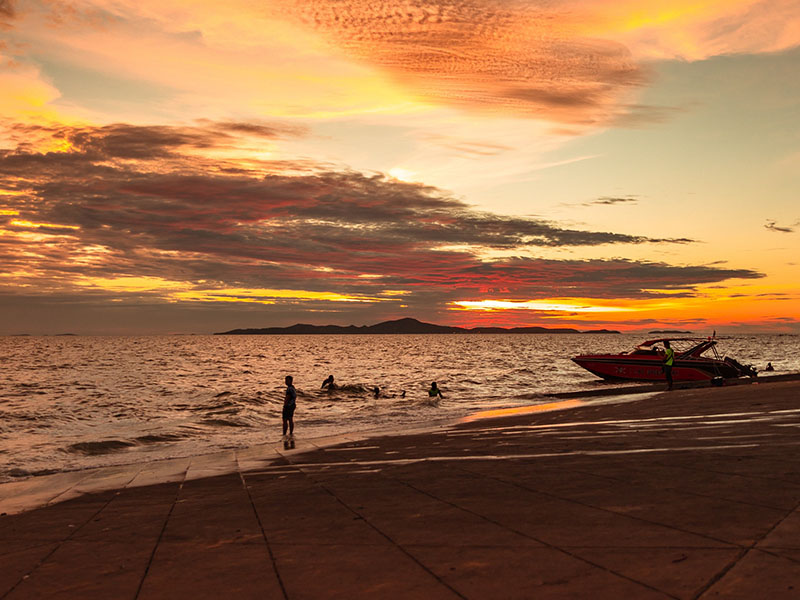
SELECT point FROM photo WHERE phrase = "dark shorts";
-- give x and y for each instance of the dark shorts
(288, 413)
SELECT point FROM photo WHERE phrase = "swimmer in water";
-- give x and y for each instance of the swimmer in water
(435, 391)
(328, 383)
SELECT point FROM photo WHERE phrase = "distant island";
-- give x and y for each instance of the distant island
(669, 331)
(407, 325)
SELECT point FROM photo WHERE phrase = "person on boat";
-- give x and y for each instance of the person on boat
(769, 367)
(669, 360)
(289, 404)
(435, 391)
(328, 383)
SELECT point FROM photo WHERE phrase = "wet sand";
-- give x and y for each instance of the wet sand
(690, 494)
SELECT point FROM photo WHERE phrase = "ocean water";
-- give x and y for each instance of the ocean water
(76, 402)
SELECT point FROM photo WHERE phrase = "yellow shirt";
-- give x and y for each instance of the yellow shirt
(669, 357)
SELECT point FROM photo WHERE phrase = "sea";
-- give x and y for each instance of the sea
(77, 402)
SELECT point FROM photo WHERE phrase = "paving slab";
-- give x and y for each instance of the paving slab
(89, 570)
(682, 572)
(527, 572)
(346, 572)
(212, 569)
(759, 575)
(213, 510)
(19, 561)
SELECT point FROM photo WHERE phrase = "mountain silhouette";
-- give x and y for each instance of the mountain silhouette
(405, 325)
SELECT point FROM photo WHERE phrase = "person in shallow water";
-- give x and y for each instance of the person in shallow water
(769, 367)
(289, 404)
(669, 360)
(328, 383)
(435, 391)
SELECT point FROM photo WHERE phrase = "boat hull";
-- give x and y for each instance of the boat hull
(650, 369)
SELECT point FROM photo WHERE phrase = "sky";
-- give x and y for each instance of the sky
(180, 166)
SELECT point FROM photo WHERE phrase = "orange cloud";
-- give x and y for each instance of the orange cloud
(697, 29)
(574, 62)
(25, 94)
(480, 54)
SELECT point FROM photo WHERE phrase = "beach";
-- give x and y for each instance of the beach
(687, 494)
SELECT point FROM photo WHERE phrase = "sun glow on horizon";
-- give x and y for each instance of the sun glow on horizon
(32, 225)
(537, 305)
(270, 296)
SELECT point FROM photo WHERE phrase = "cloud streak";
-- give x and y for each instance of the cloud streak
(772, 226)
(7, 13)
(611, 201)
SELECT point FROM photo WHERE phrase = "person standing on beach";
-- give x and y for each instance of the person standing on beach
(669, 360)
(289, 404)
(435, 391)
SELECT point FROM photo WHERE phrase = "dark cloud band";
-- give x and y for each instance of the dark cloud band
(112, 210)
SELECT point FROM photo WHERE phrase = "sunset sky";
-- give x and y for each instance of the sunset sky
(179, 166)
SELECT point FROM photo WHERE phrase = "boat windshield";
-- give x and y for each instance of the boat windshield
(681, 346)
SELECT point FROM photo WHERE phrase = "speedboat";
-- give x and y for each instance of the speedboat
(696, 359)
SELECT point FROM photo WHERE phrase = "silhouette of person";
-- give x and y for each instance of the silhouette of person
(769, 367)
(328, 383)
(669, 360)
(376, 391)
(289, 404)
(435, 391)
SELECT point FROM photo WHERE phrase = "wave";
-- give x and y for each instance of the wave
(430, 401)
(17, 472)
(357, 389)
(163, 437)
(95, 448)
(224, 423)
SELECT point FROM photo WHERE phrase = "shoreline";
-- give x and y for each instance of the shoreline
(693, 493)
(38, 491)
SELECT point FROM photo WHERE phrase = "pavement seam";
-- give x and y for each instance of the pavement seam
(772, 552)
(54, 550)
(702, 470)
(745, 551)
(679, 490)
(535, 539)
(600, 508)
(54, 499)
(263, 532)
(379, 531)
(66, 539)
(161, 533)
